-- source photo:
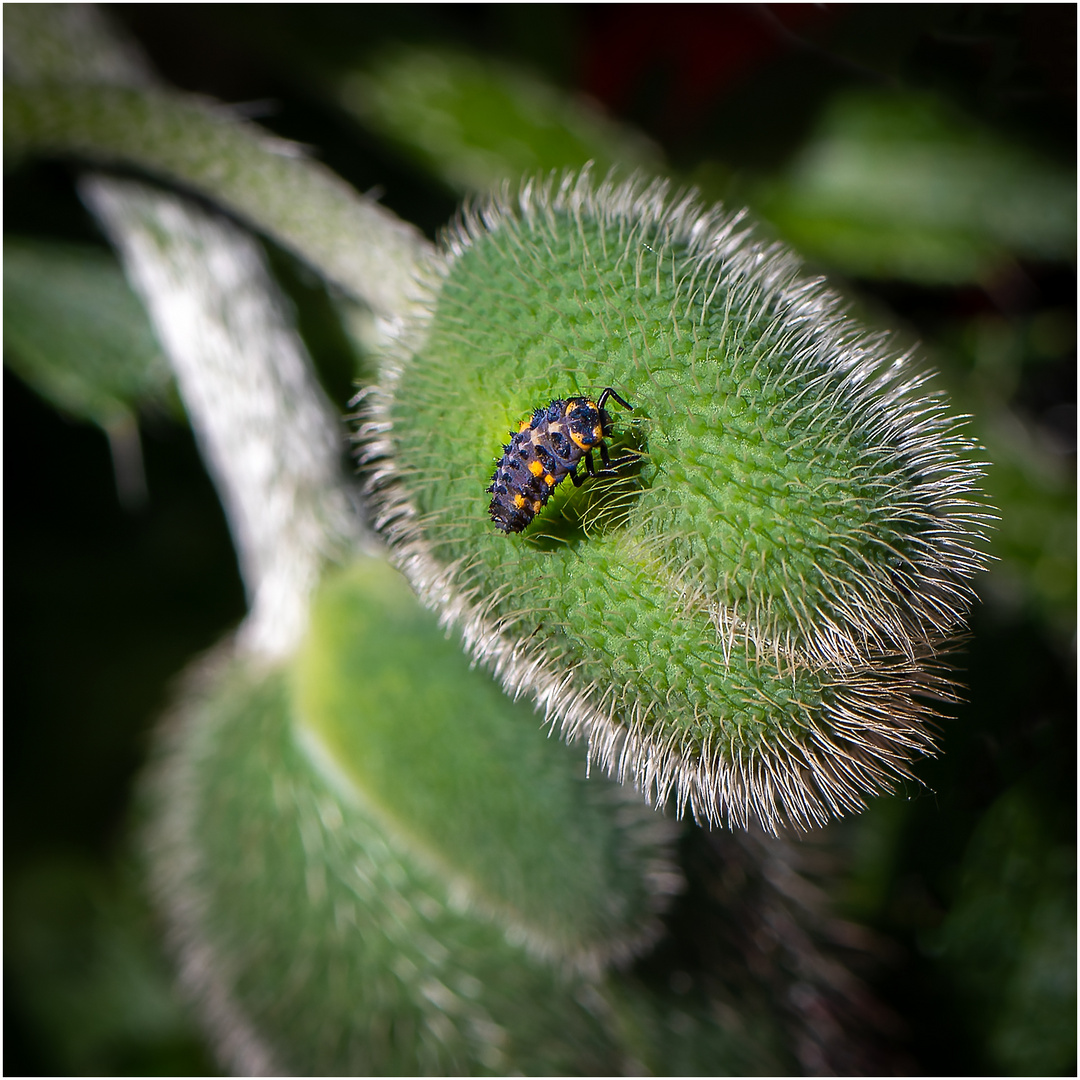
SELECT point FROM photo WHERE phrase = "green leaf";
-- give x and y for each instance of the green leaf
(76, 333)
(474, 122)
(1033, 482)
(897, 186)
(1036, 544)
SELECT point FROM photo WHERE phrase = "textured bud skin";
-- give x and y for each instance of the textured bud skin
(461, 778)
(313, 945)
(328, 923)
(750, 617)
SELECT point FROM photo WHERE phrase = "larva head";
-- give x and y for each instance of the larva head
(584, 423)
(751, 617)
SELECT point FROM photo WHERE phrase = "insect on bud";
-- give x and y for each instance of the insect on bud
(746, 607)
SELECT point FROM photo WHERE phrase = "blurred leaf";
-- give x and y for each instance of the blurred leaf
(473, 122)
(80, 950)
(1036, 541)
(76, 333)
(1032, 478)
(899, 186)
(1009, 940)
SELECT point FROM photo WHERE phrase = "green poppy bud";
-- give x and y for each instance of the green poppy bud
(749, 610)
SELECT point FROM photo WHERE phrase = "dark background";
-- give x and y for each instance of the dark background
(104, 607)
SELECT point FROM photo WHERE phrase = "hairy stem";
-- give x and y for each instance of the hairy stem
(266, 181)
(266, 431)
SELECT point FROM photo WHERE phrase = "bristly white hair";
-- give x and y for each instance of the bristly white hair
(876, 640)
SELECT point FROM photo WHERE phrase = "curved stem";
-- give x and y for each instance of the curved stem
(268, 182)
(271, 440)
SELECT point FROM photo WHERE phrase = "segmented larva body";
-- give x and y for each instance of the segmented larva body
(544, 451)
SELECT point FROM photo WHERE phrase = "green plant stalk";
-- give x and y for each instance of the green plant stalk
(70, 43)
(498, 817)
(267, 182)
(751, 617)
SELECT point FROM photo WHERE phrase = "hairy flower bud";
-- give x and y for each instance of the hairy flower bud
(749, 612)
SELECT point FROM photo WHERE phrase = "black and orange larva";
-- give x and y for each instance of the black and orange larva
(546, 450)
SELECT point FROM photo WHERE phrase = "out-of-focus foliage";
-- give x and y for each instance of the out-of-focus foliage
(901, 185)
(473, 122)
(1032, 478)
(79, 949)
(77, 334)
(1009, 940)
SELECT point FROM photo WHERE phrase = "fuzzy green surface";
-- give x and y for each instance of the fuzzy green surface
(329, 942)
(466, 778)
(316, 944)
(632, 635)
(763, 496)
